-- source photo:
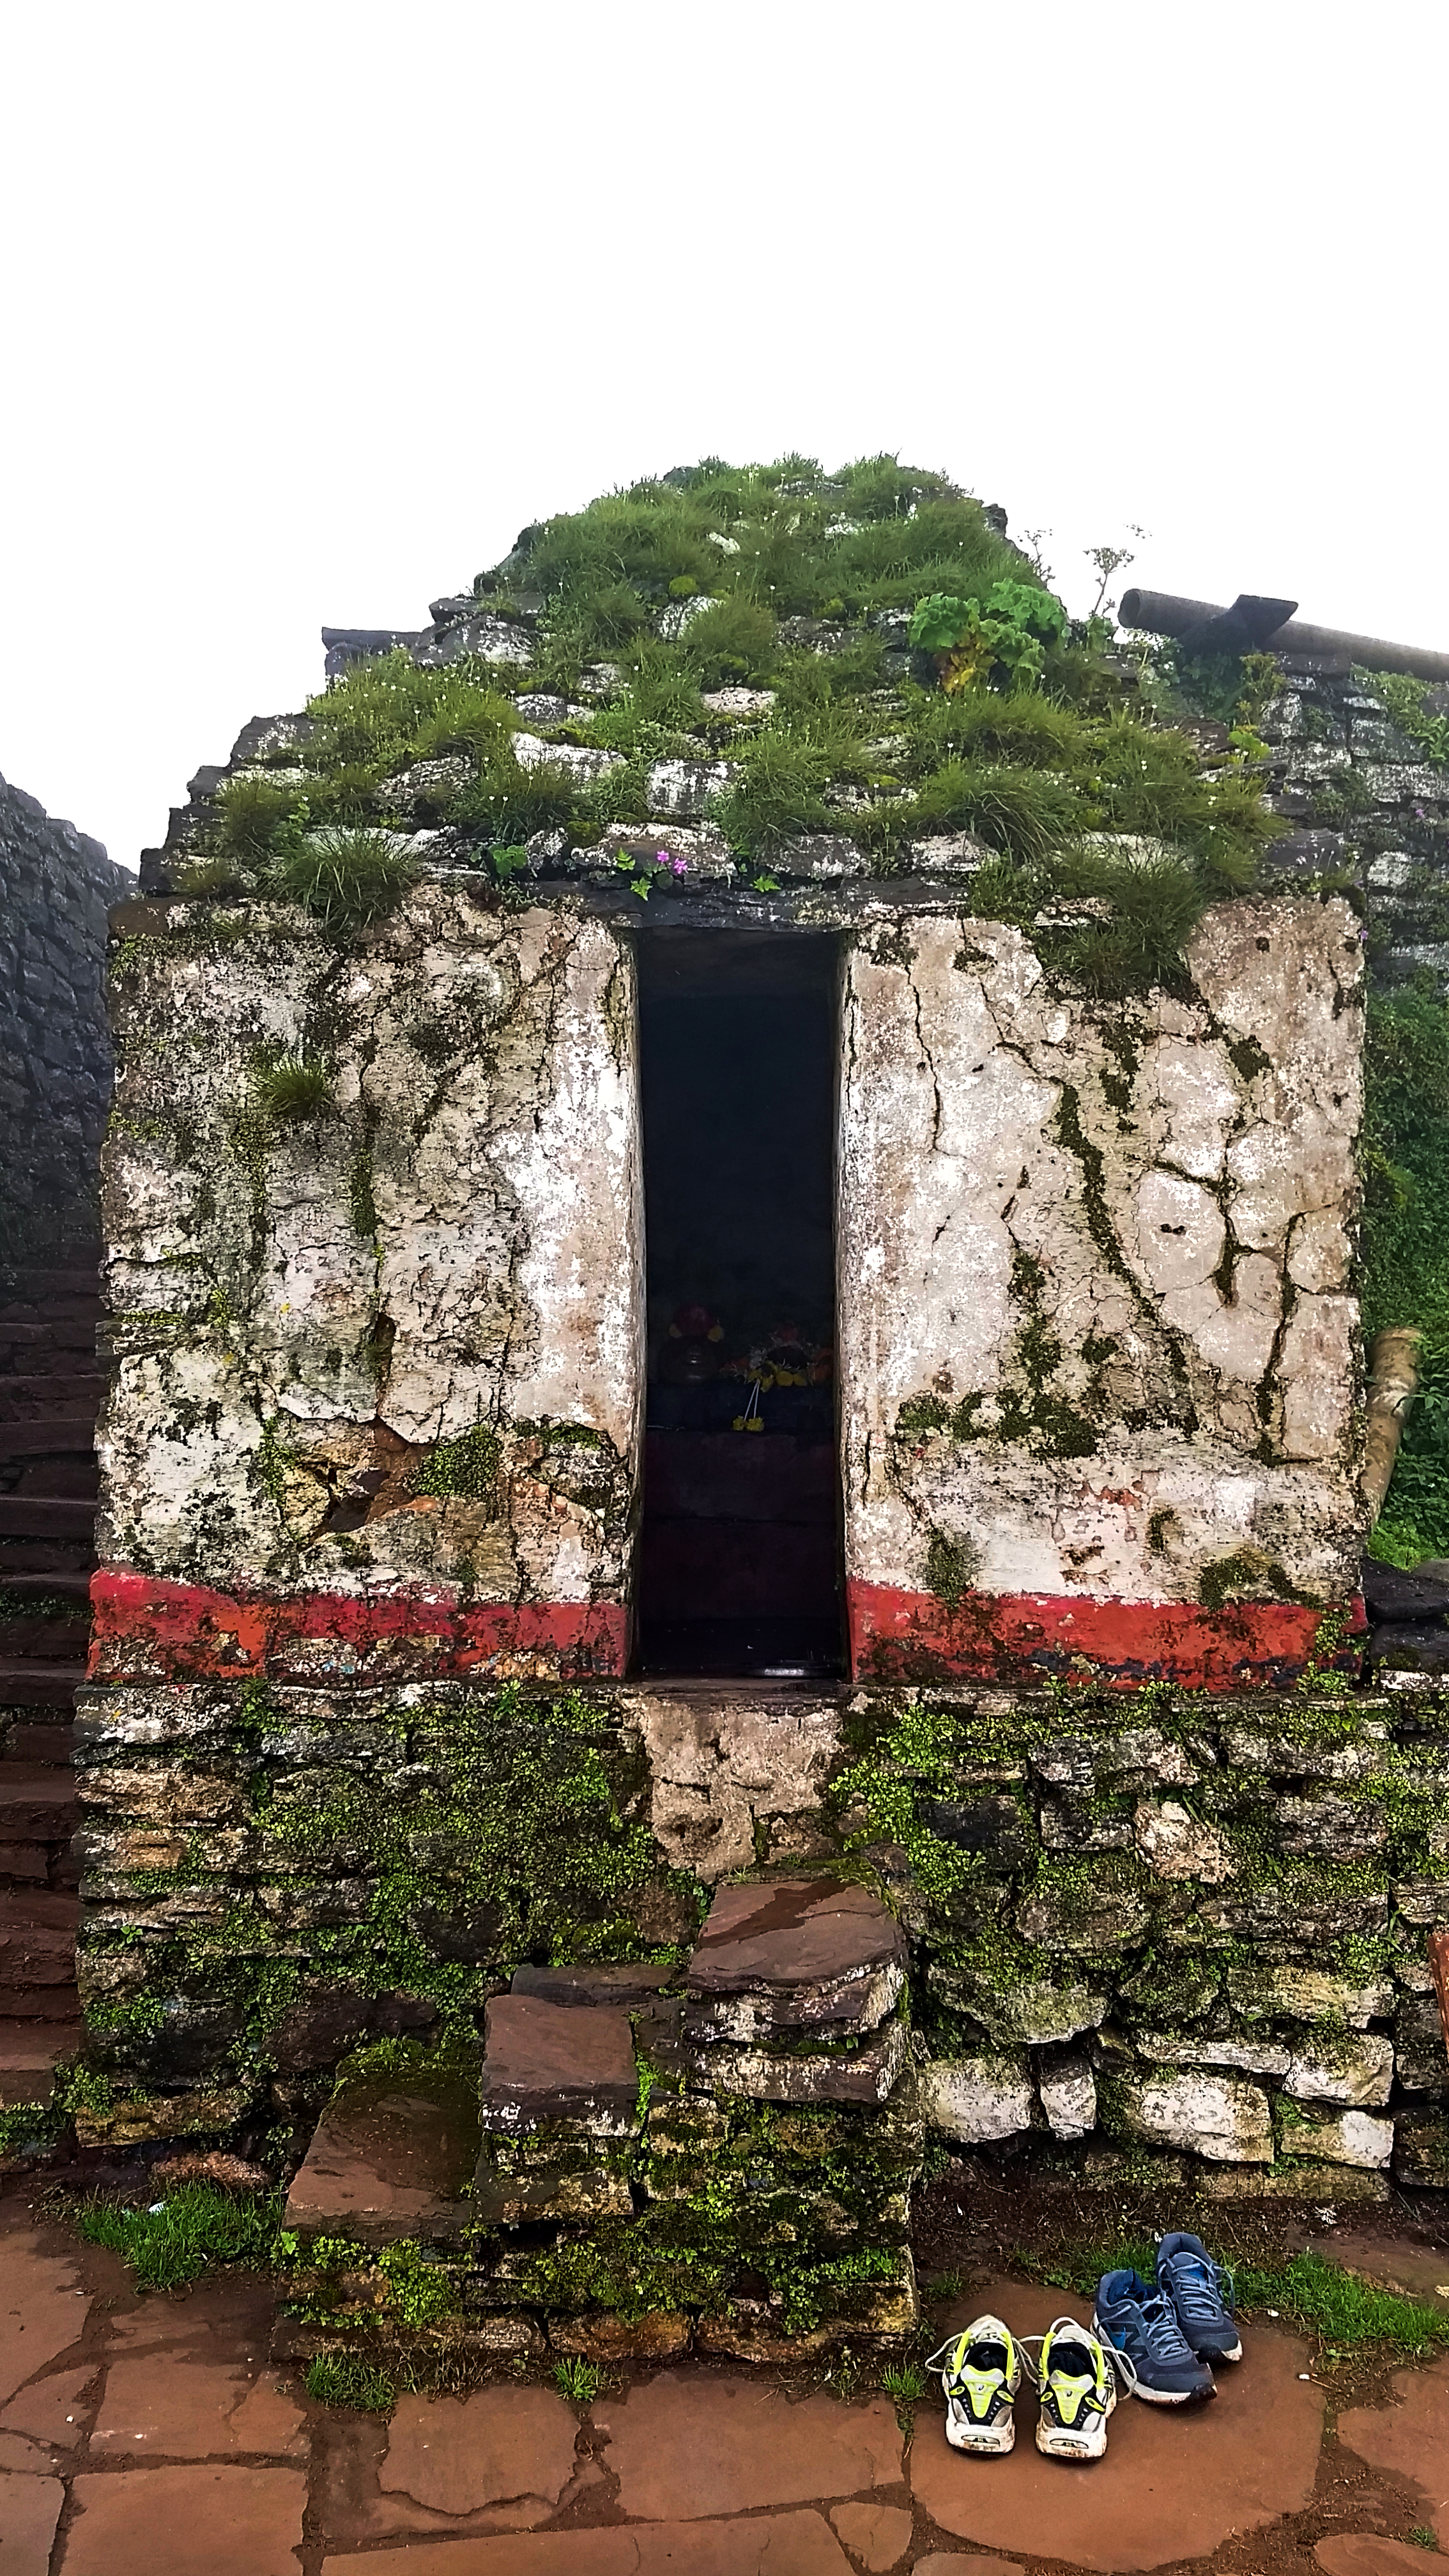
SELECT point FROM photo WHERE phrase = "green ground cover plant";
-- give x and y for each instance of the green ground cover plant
(1406, 1249)
(343, 2378)
(1344, 2313)
(177, 2239)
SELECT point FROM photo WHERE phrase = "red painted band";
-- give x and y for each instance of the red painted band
(1023, 1636)
(148, 1629)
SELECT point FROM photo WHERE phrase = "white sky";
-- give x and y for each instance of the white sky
(308, 308)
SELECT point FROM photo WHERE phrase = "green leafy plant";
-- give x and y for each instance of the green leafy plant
(347, 877)
(1404, 699)
(342, 2378)
(578, 2381)
(1008, 632)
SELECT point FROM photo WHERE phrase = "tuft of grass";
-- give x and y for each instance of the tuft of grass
(347, 877)
(1343, 2312)
(181, 2237)
(1024, 813)
(1423, 2536)
(341, 2378)
(210, 876)
(904, 2382)
(779, 795)
(256, 818)
(733, 639)
(293, 1090)
(578, 2381)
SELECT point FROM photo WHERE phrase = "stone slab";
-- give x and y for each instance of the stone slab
(459, 2454)
(546, 2062)
(802, 1943)
(1368, 2553)
(603, 1982)
(41, 2314)
(1174, 2483)
(388, 2161)
(865, 2077)
(784, 2544)
(184, 2405)
(29, 2511)
(690, 2444)
(1410, 2438)
(196, 2521)
(877, 2534)
(55, 2409)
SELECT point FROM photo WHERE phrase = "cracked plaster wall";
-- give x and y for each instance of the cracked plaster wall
(1097, 1327)
(303, 1312)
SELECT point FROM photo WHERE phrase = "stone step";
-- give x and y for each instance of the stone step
(78, 1277)
(49, 1641)
(52, 1744)
(787, 1957)
(30, 2052)
(34, 1516)
(35, 1805)
(594, 1983)
(391, 2157)
(68, 1390)
(56, 1333)
(52, 1562)
(25, 2000)
(57, 1435)
(50, 1914)
(544, 2062)
(32, 1684)
(58, 1478)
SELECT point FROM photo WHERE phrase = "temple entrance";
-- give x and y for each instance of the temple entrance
(739, 1560)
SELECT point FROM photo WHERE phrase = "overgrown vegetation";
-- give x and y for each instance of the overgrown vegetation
(923, 679)
(343, 2378)
(178, 2238)
(1406, 1249)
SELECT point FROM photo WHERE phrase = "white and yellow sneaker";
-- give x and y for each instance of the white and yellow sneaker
(1077, 2380)
(981, 2371)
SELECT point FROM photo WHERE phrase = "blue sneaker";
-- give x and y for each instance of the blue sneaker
(1141, 2323)
(1202, 2296)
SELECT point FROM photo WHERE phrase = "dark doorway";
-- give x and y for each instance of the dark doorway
(739, 1560)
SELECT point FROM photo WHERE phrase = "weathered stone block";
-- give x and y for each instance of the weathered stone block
(795, 1955)
(1175, 1844)
(1215, 2116)
(1342, 2138)
(1034, 2013)
(1343, 2068)
(1068, 2092)
(1421, 2148)
(864, 2074)
(1292, 1993)
(979, 2098)
(1419, 2050)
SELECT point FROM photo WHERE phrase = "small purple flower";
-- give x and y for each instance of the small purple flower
(679, 866)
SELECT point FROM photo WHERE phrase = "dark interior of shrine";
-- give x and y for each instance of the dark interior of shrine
(739, 1560)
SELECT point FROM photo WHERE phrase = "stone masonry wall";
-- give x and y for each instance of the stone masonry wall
(378, 1368)
(1098, 1349)
(56, 886)
(1163, 1923)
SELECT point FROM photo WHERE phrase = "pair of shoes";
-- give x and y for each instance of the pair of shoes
(1172, 2332)
(1075, 2375)
(1161, 2340)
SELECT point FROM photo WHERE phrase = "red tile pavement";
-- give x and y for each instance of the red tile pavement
(777, 2544)
(1411, 2437)
(1176, 2481)
(183, 2452)
(197, 2521)
(695, 2442)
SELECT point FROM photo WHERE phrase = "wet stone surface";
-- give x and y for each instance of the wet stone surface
(150, 2435)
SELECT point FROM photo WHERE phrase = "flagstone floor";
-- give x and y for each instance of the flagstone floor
(150, 2436)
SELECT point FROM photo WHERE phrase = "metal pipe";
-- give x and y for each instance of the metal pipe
(1244, 628)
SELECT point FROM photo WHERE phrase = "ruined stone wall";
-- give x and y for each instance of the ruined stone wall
(1171, 1922)
(1366, 804)
(55, 1052)
(1098, 1345)
(376, 1398)
(379, 1343)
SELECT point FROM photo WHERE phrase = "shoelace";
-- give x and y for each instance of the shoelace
(1165, 2338)
(938, 2358)
(1122, 2362)
(1197, 2286)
